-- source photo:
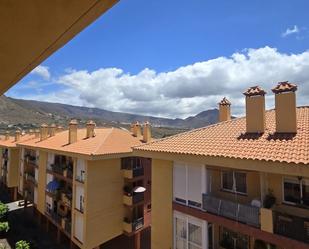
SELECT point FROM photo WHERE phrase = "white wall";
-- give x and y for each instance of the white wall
(80, 167)
(79, 227)
(79, 194)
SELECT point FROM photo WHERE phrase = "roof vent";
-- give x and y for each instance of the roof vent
(224, 110)
(90, 129)
(137, 131)
(52, 130)
(73, 131)
(285, 105)
(17, 135)
(147, 132)
(255, 109)
(44, 132)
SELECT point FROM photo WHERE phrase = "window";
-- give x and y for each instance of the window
(296, 190)
(234, 181)
(189, 184)
(233, 240)
(189, 232)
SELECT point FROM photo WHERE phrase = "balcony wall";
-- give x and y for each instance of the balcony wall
(253, 187)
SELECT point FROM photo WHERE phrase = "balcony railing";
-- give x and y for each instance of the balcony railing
(291, 226)
(61, 169)
(132, 226)
(243, 213)
(129, 199)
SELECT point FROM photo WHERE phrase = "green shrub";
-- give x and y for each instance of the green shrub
(3, 209)
(22, 244)
(4, 227)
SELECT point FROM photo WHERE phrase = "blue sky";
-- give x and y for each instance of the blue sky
(146, 55)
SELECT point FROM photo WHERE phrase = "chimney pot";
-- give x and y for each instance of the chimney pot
(224, 110)
(147, 132)
(255, 110)
(37, 133)
(90, 129)
(285, 107)
(44, 132)
(17, 135)
(73, 131)
(137, 129)
(52, 130)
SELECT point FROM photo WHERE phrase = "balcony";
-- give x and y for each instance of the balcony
(242, 213)
(30, 178)
(30, 158)
(62, 170)
(130, 226)
(132, 173)
(291, 226)
(132, 199)
(62, 221)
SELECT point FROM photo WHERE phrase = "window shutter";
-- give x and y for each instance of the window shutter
(179, 182)
(194, 185)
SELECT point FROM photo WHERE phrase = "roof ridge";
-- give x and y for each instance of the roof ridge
(103, 141)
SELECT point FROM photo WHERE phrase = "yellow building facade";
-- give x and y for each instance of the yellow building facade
(241, 183)
(79, 179)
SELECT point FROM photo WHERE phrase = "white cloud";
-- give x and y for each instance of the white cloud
(187, 90)
(290, 31)
(42, 71)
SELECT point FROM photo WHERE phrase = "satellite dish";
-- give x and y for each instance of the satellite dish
(139, 189)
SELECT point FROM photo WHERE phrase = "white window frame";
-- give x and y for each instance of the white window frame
(203, 182)
(300, 182)
(192, 220)
(234, 182)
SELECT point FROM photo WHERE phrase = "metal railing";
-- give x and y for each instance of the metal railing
(243, 213)
(138, 224)
(291, 226)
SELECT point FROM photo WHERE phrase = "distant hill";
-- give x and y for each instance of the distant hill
(33, 113)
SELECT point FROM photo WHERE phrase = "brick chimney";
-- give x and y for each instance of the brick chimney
(285, 106)
(44, 132)
(255, 109)
(224, 110)
(137, 131)
(52, 130)
(7, 135)
(147, 132)
(90, 129)
(73, 131)
(37, 133)
(17, 135)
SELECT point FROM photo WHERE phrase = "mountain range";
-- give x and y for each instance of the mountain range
(33, 113)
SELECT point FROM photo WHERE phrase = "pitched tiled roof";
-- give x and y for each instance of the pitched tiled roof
(229, 139)
(11, 141)
(106, 141)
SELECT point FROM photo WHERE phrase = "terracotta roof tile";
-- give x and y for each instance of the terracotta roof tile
(253, 91)
(284, 87)
(11, 141)
(224, 101)
(229, 139)
(106, 141)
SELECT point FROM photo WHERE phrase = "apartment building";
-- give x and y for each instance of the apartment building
(241, 183)
(87, 183)
(9, 161)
